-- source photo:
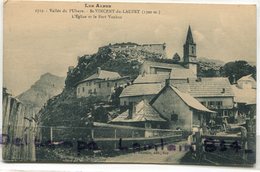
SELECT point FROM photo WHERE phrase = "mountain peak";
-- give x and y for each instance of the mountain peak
(47, 86)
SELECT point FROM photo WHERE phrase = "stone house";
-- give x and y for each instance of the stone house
(141, 115)
(246, 82)
(215, 93)
(102, 83)
(180, 109)
(245, 98)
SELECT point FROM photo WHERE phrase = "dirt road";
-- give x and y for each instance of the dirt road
(168, 155)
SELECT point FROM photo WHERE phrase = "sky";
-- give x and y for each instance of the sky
(36, 43)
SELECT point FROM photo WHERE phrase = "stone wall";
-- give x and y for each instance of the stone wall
(151, 48)
(19, 130)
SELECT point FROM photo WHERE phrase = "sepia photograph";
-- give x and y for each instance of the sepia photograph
(136, 83)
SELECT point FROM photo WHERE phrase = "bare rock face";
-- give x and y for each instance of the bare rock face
(42, 90)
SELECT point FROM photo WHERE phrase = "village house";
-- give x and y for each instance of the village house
(215, 93)
(246, 82)
(181, 110)
(244, 98)
(102, 83)
(141, 115)
(153, 75)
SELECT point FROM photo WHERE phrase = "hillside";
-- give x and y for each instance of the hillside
(42, 90)
(209, 67)
(65, 109)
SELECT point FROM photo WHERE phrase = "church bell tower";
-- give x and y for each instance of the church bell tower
(189, 52)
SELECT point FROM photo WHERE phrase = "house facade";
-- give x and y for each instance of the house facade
(141, 115)
(215, 93)
(102, 83)
(181, 110)
(246, 82)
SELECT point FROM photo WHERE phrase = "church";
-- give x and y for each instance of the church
(173, 87)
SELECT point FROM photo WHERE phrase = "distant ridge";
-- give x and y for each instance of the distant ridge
(47, 86)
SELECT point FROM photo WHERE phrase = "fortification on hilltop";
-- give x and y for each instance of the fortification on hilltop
(151, 48)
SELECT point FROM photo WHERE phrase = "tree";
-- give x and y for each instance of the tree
(237, 69)
(100, 115)
(115, 96)
(176, 57)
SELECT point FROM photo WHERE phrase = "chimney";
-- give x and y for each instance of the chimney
(98, 70)
(131, 110)
(234, 79)
(167, 82)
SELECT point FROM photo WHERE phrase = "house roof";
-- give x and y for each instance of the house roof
(246, 78)
(141, 89)
(206, 87)
(247, 96)
(179, 73)
(143, 112)
(101, 75)
(151, 78)
(191, 101)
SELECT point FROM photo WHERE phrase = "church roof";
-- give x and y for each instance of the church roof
(143, 112)
(189, 38)
(151, 78)
(162, 65)
(177, 73)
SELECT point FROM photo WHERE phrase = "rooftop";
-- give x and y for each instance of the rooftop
(247, 96)
(179, 73)
(191, 101)
(143, 112)
(206, 87)
(141, 89)
(247, 78)
(151, 78)
(102, 75)
(163, 65)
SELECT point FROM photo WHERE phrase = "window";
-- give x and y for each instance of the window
(174, 117)
(83, 89)
(90, 91)
(125, 103)
(219, 104)
(108, 84)
(99, 85)
(225, 113)
(115, 84)
(78, 90)
(148, 125)
(192, 50)
(95, 91)
(211, 104)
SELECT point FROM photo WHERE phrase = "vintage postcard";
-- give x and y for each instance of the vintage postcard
(118, 82)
